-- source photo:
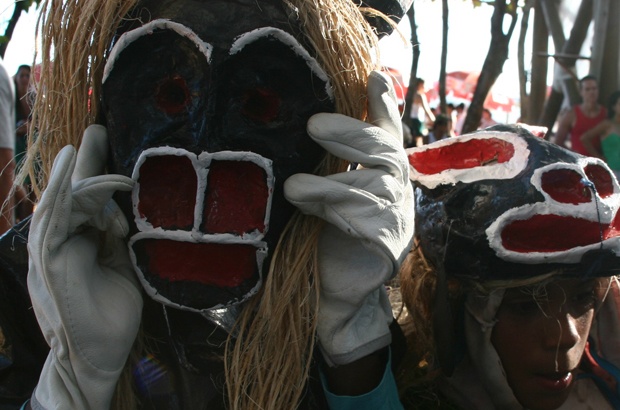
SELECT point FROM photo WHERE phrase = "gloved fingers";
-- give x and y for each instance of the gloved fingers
(112, 221)
(92, 155)
(382, 106)
(90, 197)
(357, 141)
(46, 234)
(375, 182)
(351, 210)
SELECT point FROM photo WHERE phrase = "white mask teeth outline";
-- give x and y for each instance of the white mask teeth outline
(201, 165)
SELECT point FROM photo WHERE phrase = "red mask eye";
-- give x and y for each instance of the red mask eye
(565, 185)
(463, 155)
(172, 95)
(171, 177)
(261, 104)
(601, 178)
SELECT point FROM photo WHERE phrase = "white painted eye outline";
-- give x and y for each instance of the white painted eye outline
(607, 211)
(160, 24)
(285, 38)
(450, 176)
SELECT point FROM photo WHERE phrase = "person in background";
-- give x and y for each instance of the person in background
(487, 119)
(461, 113)
(420, 111)
(608, 133)
(7, 136)
(24, 98)
(581, 117)
(442, 128)
(23, 105)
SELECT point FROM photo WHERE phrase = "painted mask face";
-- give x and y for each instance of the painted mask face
(504, 204)
(206, 106)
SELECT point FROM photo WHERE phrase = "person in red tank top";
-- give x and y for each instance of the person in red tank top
(582, 117)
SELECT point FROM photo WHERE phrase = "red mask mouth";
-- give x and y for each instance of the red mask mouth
(201, 220)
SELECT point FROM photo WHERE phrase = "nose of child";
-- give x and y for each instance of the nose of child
(562, 331)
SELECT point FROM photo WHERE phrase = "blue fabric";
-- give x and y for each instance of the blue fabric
(23, 407)
(612, 396)
(384, 396)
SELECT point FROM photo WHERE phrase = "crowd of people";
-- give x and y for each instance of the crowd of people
(427, 124)
(220, 206)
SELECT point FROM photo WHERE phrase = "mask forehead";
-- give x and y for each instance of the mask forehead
(206, 105)
(219, 21)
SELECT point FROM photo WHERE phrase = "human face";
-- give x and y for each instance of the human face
(206, 107)
(23, 77)
(589, 91)
(540, 336)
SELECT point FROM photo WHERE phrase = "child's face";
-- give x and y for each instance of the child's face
(541, 335)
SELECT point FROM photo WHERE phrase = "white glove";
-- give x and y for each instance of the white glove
(369, 215)
(81, 281)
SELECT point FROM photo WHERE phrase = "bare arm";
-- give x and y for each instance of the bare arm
(566, 124)
(589, 137)
(426, 108)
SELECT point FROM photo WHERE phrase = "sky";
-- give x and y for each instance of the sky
(468, 41)
(21, 48)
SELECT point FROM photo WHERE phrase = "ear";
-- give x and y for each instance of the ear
(394, 9)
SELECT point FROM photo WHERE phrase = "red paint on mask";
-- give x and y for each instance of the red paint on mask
(236, 198)
(168, 187)
(221, 265)
(172, 95)
(555, 233)
(601, 178)
(462, 155)
(565, 186)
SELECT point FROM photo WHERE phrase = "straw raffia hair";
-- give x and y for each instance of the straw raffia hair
(267, 365)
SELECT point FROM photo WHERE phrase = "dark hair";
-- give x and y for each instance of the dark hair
(441, 119)
(613, 99)
(24, 66)
(587, 78)
(461, 105)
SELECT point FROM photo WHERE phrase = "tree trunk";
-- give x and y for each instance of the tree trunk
(608, 77)
(524, 98)
(538, 79)
(414, 64)
(552, 20)
(8, 33)
(565, 81)
(444, 58)
(493, 64)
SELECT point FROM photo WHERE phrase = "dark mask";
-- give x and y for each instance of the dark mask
(207, 111)
(504, 204)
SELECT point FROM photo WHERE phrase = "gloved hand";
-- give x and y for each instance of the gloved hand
(81, 282)
(369, 229)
